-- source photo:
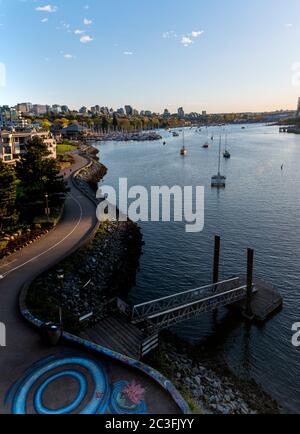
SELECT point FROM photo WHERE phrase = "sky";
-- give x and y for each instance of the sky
(216, 55)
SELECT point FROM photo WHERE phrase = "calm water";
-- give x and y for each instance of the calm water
(260, 208)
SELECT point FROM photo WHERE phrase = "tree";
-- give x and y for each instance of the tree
(115, 122)
(8, 194)
(104, 124)
(38, 175)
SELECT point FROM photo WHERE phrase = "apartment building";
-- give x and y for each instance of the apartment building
(13, 144)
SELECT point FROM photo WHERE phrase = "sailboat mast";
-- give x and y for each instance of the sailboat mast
(219, 166)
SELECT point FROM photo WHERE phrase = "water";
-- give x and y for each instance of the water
(259, 208)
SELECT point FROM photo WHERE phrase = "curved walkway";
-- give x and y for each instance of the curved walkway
(68, 378)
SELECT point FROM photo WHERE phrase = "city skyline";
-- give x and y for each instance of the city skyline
(213, 57)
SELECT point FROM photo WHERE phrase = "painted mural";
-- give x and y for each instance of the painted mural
(37, 391)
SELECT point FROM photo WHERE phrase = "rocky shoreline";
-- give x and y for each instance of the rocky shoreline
(206, 382)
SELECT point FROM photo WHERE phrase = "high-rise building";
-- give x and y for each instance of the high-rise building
(24, 107)
(39, 109)
(180, 113)
(56, 109)
(83, 110)
(129, 110)
(166, 114)
(11, 118)
(65, 109)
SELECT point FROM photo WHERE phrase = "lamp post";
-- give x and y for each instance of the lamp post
(60, 278)
(47, 210)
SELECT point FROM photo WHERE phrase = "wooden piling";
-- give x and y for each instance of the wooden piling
(250, 263)
(216, 259)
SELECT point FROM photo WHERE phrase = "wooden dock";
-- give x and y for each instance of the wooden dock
(118, 334)
(266, 301)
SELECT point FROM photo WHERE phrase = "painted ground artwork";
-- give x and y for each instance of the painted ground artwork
(74, 384)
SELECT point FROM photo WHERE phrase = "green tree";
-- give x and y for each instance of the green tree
(8, 194)
(38, 175)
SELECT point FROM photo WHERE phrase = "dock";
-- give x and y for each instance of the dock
(265, 301)
(134, 330)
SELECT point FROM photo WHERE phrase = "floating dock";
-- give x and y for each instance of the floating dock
(265, 301)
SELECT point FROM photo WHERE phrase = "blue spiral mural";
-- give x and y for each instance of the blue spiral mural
(94, 395)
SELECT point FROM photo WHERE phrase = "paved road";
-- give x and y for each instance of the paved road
(73, 380)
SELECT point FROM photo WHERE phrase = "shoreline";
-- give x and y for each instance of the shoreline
(206, 381)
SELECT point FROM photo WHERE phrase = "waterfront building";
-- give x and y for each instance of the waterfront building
(13, 144)
(121, 111)
(204, 113)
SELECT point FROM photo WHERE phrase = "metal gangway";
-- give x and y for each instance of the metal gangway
(168, 311)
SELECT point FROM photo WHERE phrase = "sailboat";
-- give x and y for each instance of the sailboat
(219, 181)
(183, 150)
(226, 153)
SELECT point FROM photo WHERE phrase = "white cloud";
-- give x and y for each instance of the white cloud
(186, 41)
(47, 8)
(170, 34)
(87, 22)
(85, 39)
(289, 25)
(69, 56)
(44, 20)
(196, 34)
(128, 53)
(79, 32)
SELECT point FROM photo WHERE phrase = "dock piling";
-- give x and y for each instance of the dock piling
(216, 259)
(250, 263)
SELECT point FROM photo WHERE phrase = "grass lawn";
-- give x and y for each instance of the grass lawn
(65, 147)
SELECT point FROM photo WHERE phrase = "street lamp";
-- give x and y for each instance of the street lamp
(47, 210)
(60, 278)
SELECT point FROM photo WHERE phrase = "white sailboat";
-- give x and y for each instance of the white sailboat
(219, 181)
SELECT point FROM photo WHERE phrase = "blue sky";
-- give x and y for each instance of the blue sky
(216, 55)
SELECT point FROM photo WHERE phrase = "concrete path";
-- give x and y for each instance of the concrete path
(66, 379)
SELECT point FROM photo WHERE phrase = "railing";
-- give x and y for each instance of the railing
(146, 310)
(170, 317)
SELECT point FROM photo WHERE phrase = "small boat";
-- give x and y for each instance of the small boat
(183, 150)
(175, 134)
(219, 181)
(164, 143)
(226, 153)
(205, 146)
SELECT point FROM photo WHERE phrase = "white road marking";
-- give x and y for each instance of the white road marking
(51, 248)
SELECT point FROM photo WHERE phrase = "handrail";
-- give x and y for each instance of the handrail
(185, 292)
